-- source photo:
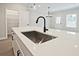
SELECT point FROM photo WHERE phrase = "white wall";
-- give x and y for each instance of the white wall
(63, 14)
(48, 21)
(34, 14)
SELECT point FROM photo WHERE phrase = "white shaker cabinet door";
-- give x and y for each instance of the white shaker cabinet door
(23, 18)
(16, 47)
(3, 32)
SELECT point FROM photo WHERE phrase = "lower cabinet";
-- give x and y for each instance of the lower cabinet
(19, 48)
(16, 47)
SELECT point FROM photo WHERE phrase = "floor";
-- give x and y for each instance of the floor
(6, 47)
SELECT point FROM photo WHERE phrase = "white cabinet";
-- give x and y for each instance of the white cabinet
(3, 34)
(16, 47)
(23, 18)
(12, 17)
(19, 48)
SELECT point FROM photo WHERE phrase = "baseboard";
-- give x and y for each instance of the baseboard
(3, 38)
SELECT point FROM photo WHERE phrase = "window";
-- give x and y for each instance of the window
(71, 20)
(58, 19)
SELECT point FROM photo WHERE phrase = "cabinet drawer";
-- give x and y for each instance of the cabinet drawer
(24, 49)
(16, 48)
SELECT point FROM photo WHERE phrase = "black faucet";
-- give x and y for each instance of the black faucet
(44, 22)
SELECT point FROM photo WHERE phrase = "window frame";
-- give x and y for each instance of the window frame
(72, 21)
(58, 20)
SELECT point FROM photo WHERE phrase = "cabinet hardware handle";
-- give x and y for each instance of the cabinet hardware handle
(18, 52)
(12, 37)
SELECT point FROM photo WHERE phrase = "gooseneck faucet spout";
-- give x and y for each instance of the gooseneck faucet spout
(44, 22)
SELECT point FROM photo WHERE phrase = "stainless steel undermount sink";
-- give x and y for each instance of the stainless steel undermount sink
(38, 37)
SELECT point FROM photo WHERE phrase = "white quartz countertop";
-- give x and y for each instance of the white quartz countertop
(66, 43)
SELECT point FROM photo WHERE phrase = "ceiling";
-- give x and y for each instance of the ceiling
(58, 6)
(62, 6)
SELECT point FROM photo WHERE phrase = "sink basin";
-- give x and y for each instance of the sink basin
(38, 37)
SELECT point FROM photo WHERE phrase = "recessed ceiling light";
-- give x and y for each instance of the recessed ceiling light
(34, 7)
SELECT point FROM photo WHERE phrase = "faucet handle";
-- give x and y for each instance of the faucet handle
(47, 29)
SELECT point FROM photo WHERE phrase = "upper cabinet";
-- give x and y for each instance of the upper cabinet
(12, 17)
(2, 23)
(23, 18)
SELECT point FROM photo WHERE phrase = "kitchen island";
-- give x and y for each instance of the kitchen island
(66, 43)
